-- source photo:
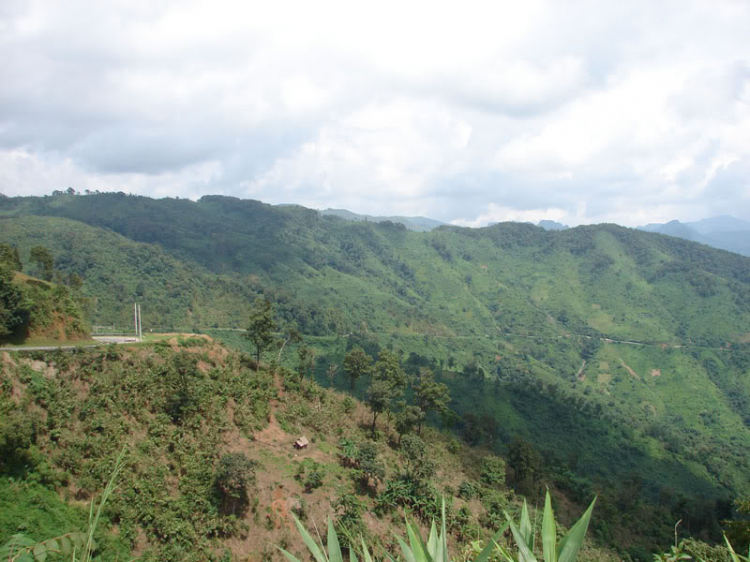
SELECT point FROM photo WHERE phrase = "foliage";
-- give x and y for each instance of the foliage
(234, 474)
(503, 315)
(14, 310)
(260, 327)
(42, 257)
(419, 466)
(523, 534)
(493, 471)
(357, 364)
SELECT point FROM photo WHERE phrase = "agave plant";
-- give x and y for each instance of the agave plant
(319, 552)
(436, 547)
(523, 533)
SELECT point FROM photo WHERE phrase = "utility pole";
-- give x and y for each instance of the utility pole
(140, 324)
(135, 318)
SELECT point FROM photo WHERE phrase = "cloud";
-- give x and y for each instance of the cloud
(470, 113)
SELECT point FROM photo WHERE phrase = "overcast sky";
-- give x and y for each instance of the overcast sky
(468, 112)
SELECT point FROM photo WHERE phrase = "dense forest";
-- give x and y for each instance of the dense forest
(594, 360)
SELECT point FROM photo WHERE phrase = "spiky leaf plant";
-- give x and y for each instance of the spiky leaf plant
(564, 551)
(436, 547)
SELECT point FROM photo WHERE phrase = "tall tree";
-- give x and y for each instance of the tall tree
(43, 258)
(389, 371)
(356, 365)
(9, 256)
(430, 396)
(379, 397)
(407, 419)
(306, 361)
(260, 328)
(14, 311)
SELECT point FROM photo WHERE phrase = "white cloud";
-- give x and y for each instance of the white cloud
(600, 111)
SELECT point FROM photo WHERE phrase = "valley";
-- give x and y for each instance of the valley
(618, 359)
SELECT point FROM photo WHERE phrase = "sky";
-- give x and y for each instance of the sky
(466, 112)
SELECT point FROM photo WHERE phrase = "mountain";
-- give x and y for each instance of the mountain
(620, 355)
(417, 224)
(551, 225)
(724, 232)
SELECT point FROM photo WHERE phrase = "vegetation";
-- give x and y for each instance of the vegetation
(595, 360)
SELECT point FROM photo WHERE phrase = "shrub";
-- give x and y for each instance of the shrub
(467, 490)
(493, 472)
(234, 474)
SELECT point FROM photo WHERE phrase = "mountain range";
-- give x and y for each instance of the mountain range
(618, 352)
(725, 232)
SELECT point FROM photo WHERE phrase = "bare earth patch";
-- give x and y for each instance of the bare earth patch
(629, 370)
(581, 376)
(655, 372)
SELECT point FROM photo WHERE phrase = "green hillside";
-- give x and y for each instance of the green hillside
(35, 309)
(618, 353)
(210, 472)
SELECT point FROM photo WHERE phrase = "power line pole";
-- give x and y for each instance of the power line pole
(135, 318)
(140, 324)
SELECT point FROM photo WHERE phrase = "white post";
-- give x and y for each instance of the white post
(135, 317)
(140, 324)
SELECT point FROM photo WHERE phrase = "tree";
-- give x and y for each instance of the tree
(370, 465)
(493, 471)
(43, 258)
(418, 466)
(9, 256)
(14, 311)
(379, 397)
(523, 459)
(388, 370)
(331, 373)
(233, 475)
(430, 396)
(306, 361)
(356, 365)
(291, 335)
(407, 419)
(260, 328)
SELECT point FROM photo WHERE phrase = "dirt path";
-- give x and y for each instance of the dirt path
(631, 371)
(581, 376)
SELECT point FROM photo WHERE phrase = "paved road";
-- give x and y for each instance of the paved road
(101, 340)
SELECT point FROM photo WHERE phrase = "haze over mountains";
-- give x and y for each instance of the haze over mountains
(724, 232)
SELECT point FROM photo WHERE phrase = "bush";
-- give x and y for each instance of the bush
(234, 474)
(314, 479)
(467, 490)
(493, 472)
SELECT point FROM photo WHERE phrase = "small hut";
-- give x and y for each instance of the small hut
(301, 443)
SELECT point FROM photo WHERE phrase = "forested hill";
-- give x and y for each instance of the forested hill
(616, 353)
(600, 279)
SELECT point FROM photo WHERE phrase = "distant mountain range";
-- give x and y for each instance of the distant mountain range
(417, 224)
(724, 232)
